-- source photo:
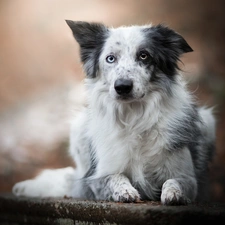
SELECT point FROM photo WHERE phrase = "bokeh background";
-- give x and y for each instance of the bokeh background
(41, 87)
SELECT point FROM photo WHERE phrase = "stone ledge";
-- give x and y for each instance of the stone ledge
(14, 210)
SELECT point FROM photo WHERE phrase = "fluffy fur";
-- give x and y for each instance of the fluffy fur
(141, 136)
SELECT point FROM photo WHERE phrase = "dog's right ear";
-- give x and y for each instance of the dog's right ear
(91, 38)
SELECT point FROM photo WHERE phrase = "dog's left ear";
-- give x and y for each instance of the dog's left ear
(170, 39)
(167, 47)
(91, 38)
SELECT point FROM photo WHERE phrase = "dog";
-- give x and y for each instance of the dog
(141, 135)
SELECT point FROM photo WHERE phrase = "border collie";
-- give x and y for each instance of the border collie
(141, 135)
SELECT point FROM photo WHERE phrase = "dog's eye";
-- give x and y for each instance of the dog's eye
(144, 55)
(110, 59)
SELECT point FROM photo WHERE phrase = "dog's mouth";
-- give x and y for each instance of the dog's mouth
(129, 98)
(126, 99)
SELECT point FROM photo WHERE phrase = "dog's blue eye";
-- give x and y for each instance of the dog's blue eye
(110, 59)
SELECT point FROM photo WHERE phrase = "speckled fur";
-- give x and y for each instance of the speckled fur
(152, 144)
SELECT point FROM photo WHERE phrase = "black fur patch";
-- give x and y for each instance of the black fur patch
(91, 38)
(165, 46)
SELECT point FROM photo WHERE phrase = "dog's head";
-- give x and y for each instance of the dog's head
(130, 61)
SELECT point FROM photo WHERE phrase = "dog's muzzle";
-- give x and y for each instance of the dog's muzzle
(123, 86)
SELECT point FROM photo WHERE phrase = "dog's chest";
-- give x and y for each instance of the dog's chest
(128, 151)
(146, 152)
(127, 140)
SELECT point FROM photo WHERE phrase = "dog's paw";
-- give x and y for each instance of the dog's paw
(172, 193)
(126, 194)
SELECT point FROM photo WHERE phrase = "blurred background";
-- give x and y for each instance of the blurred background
(41, 87)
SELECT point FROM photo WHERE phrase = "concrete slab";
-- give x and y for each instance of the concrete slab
(21, 210)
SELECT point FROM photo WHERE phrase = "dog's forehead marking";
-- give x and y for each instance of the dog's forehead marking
(124, 38)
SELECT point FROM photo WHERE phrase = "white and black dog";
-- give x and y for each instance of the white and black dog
(141, 136)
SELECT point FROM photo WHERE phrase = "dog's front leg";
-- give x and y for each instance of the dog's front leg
(114, 187)
(178, 191)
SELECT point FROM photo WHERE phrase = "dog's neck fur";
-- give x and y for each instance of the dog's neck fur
(153, 108)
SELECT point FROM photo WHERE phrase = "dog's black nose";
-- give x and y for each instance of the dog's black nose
(123, 86)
